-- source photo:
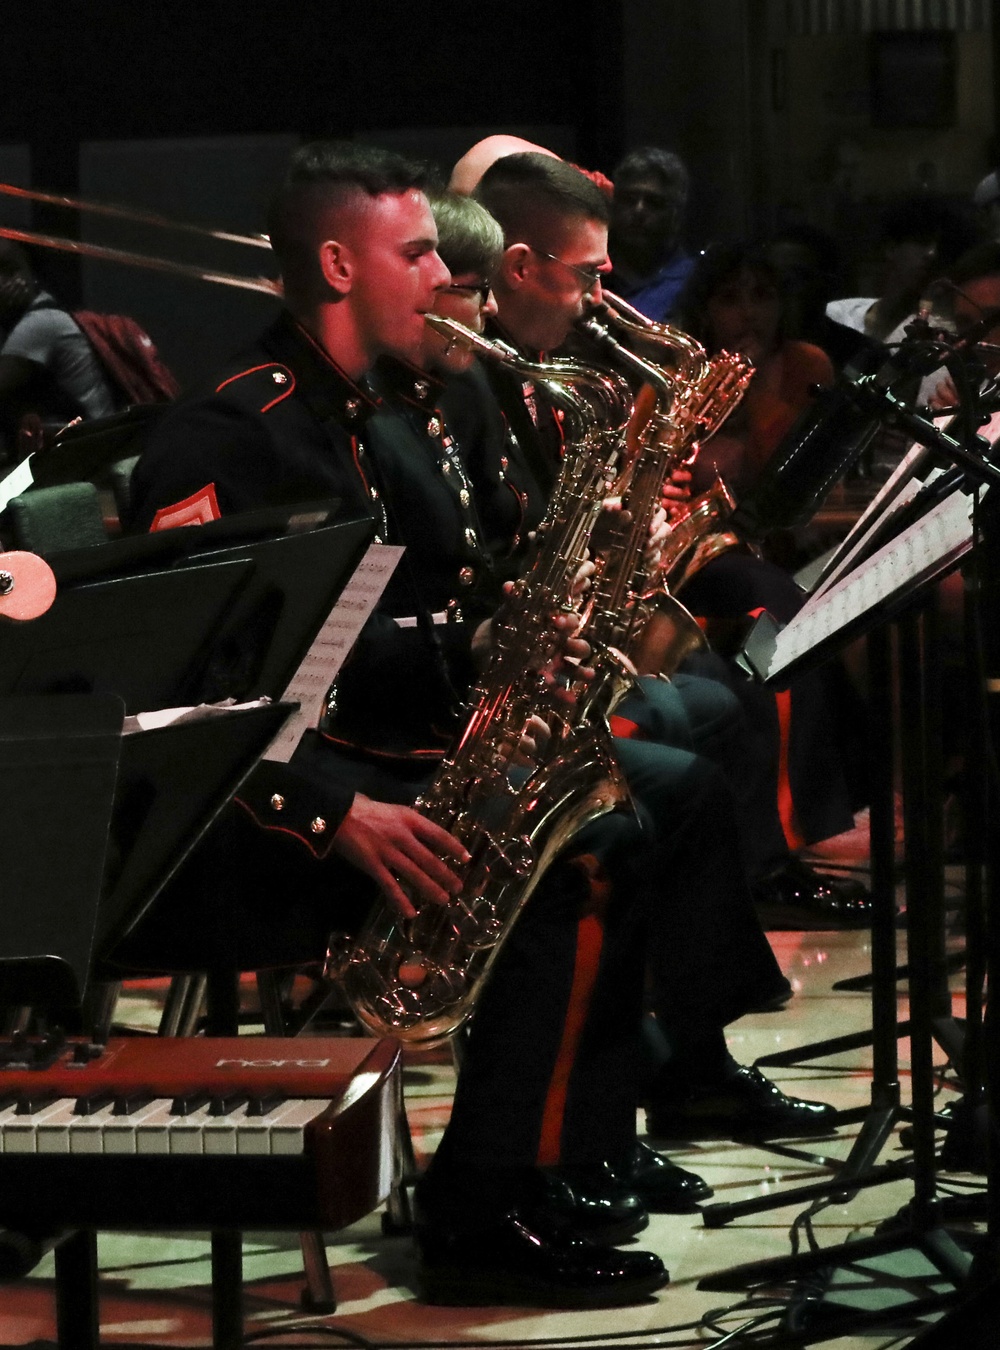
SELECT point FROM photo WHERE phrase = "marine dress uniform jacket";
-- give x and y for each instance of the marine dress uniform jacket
(261, 883)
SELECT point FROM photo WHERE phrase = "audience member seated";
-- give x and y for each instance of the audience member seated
(734, 302)
(47, 366)
(650, 263)
(918, 238)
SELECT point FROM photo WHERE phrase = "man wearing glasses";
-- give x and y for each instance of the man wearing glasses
(703, 927)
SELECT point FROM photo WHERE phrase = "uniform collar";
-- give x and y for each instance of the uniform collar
(319, 380)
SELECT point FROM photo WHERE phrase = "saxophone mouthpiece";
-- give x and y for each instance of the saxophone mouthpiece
(460, 336)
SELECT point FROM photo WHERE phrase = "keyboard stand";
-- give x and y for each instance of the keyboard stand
(77, 1309)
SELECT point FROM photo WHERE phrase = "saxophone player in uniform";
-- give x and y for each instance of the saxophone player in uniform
(307, 846)
(555, 228)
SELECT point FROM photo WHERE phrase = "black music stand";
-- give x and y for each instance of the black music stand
(137, 637)
(97, 821)
(921, 745)
(59, 767)
(188, 615)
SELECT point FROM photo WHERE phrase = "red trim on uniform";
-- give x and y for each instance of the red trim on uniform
(198, 509)
(318, 854)
(268, 406)
(357, 463)
(623, 727)
(589, 945)
(432, 752)
(252, 370)
(786, 805)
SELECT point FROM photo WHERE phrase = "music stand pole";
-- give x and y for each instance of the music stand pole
(883, 1113)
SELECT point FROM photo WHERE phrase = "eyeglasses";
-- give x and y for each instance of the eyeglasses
(590, 276)
(480, 288)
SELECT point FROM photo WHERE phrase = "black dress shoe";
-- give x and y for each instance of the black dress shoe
(588, 1202)
(795, 896)
(514, 1262)
(744, 1106)
(662, 1186)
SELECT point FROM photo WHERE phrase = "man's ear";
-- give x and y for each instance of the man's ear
(337, 265)
(515, 264)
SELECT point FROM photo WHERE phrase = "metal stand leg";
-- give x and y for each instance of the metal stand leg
(227, 1290)
(271, 1012)
(318, 1295)
(99, 1009)
(182, 1005)
(77, 1320)
(878, 1122)
(398, 1216)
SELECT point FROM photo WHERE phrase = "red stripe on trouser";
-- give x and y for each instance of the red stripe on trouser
(587, 959)
(786, 806)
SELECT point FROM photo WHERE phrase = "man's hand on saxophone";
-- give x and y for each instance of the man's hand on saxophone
(676, 492)
(396, 846)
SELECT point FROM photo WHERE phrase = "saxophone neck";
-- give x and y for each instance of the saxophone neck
(583, 391)
(688, 356)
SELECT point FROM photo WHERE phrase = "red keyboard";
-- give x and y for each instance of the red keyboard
(212, 1132)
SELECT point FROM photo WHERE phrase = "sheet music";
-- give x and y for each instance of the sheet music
(17, 481)
(928, 546)
(169, 717)
(899, 489)
(311, 682)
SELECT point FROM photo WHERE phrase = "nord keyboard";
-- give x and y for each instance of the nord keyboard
(231, 1133)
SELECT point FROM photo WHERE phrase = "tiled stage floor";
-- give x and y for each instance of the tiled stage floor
(155, 1288)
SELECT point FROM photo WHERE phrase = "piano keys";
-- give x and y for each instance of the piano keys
(244, 1132)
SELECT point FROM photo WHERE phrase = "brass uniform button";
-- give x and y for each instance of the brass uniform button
(317, 825)
(279, 377)
(470, 538)
(278, 802)
(421, 389)
(464, 497)
(466, 576)
(352, 407)
(434, 427)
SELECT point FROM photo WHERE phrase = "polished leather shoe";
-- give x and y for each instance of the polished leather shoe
(745, 1105)
(643, 1178)
(795, 896)
(588, 1202)
(662, 1186)
(519, 1263)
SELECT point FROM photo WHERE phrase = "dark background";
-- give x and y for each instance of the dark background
(191, 108)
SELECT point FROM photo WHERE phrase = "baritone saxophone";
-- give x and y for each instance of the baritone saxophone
(693, 394)
(418, 979)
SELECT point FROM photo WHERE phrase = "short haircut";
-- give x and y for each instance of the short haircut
(321, 178)
(534, 197)
(469, 239)
(650, 159)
